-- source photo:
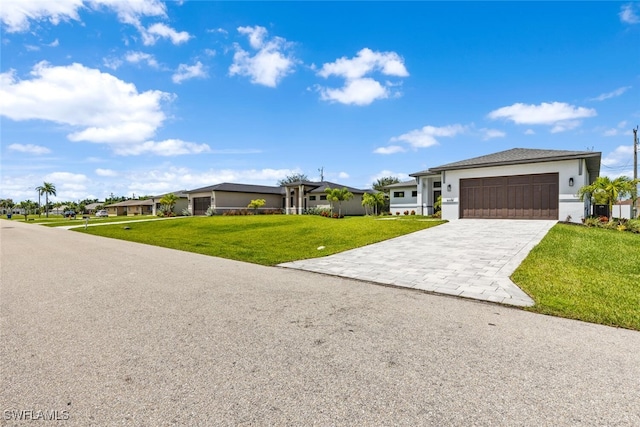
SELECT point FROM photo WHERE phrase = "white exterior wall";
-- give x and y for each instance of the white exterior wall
(406, 203)
(426, 187)
(569, 203)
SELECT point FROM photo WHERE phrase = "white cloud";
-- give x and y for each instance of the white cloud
(488, 134)
(185, 72)
(622, 124)
(355, 92)
(426, 137)
(169, 147)
(54, 43)
(29, 148)
(391, 149)
(628, 15)
(16, 15)
(365, 62)
(106, 172)
(343, 175)
(560, 115)
(157, 31)
(210, 52)
(137, 57)
(610, 132)
(270, 64)
(529, 132)
(612, 94)
(619, 162)
(67, 181)
(100, 106)
(112, 63)
(358, 89)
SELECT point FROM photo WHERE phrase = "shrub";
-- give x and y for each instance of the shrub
(397, 213)
(210, 211)
(592, 222)
(186, 212)
(413, 212)
(406, 212)
(318, 211)
(633, 225)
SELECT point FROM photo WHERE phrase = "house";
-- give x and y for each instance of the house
(230, 196)
(303, 195)
(519, 183)
(91, 208)
(130, 208)
(403, 197)
(181, 204)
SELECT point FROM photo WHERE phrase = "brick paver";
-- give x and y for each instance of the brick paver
(467, 258)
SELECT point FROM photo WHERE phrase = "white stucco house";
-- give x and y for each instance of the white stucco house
(519, 183)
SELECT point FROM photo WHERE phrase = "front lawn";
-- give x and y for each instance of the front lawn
(263, 239)
(589, 274)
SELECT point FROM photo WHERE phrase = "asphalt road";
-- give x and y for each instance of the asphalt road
(105, 332)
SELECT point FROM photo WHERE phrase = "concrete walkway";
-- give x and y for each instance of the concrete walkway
(466, 258)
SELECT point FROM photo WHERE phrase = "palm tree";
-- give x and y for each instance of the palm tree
(46, 188)
(373, 200)
(610, 190)
(168, 201)
(338, 195)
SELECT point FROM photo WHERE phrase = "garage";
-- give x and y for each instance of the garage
(510, 197)
(200, 205)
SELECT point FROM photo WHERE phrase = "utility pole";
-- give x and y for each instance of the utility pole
(634, 196)
(321, 170)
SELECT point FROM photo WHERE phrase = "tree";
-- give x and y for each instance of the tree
(47, 189)
(257, 204)
(373, 200)
(294, 177)
(380, 185)
(28, 206)
(338, 195)
(7, 204)
(608, 190)
(168, 201)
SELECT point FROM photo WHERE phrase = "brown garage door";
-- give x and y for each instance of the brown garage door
(200, 205)
(510, 197)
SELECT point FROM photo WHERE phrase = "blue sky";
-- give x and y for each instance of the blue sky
(146, 97)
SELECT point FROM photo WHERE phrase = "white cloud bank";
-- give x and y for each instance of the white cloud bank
(559, 115)
(101, 107)
(169, 147)
(29, 149)
(269, 65)
(359, 89)
(16, 15)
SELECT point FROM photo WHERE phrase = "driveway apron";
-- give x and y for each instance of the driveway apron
(471, 258)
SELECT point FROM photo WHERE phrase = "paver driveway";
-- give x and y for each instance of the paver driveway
(468, 258)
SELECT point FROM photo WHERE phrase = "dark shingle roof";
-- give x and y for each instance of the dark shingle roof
(240, 188)
(519, 156)
(132, 202)
(179, 194)
(402, 184)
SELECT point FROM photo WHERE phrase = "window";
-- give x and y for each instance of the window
(398, 194)
(323, 197)
(414, 193)
(437, 184)
(312, 197)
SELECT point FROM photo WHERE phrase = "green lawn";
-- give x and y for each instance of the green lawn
(589, 274)
(59, 220)
(264, 239)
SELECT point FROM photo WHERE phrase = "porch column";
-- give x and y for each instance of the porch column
(300, 197)
(287, 201)
(420, 189)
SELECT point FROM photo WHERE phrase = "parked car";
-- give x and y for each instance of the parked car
(69, 214)
(102, 213)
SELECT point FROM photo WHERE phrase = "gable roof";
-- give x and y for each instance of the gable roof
(181, 194)
(517, 156)
(240, 188)
(410, 183)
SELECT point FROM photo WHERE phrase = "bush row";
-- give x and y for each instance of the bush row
(620, 224)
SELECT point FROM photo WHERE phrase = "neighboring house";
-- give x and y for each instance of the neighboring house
(304, 195)
(91, 208)
(130, 208)
(229, 196)
(514, 184)
(181, 204)
(403, 197)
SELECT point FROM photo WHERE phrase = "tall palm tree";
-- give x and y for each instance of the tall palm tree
(46, 188)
